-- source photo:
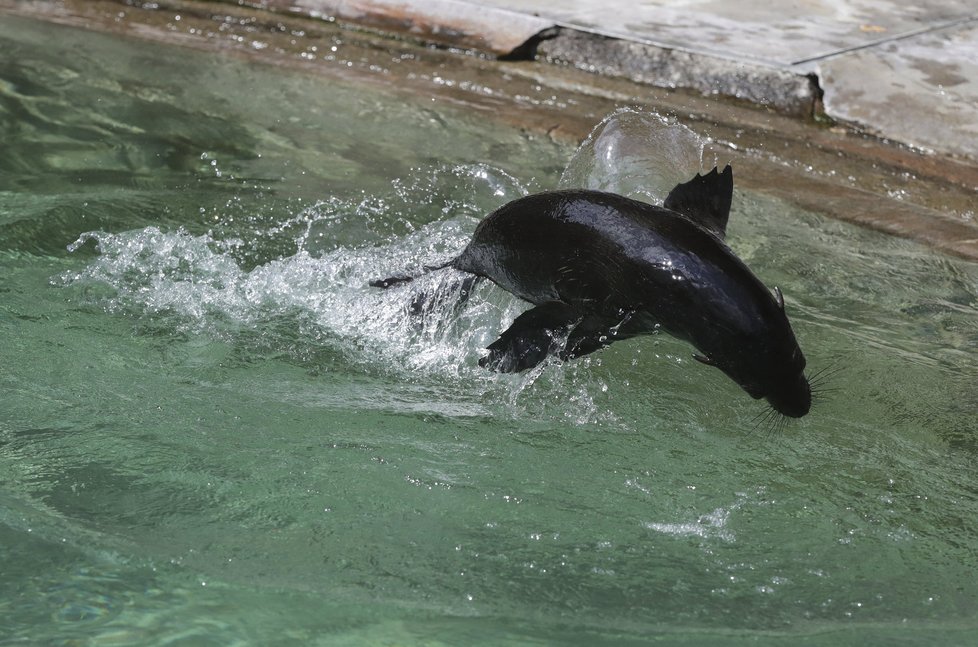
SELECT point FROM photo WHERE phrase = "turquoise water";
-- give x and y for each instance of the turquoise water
(212, 432)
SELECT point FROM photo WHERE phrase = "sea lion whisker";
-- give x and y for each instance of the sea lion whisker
(758, 418)
(764, 418)
(826, 372)
(818, 381)
(818, 389)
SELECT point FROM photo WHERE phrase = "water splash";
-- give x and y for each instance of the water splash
(195, 279)
(193, 284)
(303, 281)
(712, 525)
(640, 154)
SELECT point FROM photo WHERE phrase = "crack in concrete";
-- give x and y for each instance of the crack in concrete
(953, 24)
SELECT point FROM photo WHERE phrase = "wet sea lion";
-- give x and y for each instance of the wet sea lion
(599, 267)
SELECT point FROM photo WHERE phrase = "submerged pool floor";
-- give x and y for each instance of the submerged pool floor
(214, 432)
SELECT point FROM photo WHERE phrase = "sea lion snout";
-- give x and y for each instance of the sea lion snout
(792, 398)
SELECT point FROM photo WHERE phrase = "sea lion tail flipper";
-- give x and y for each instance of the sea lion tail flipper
(535, 334)
(705, 199)
(407, 278)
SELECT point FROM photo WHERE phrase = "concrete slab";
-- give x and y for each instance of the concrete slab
(775, 33)
(787, 91)
(498, 29)
(921, 91)
(907, 72)
(904, 71)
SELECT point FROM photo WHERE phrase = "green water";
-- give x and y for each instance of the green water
(212, 432)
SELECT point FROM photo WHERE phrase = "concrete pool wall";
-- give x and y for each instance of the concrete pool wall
(763, 107)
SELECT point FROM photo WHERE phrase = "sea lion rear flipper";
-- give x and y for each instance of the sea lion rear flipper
(593, 333)
(535, 334)
(391, 280)
(705, 199)
(407, 278)
(597, 331)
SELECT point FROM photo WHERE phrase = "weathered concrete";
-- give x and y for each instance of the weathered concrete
(920, 91)
(496, 30)
(760, 31)
(904, 71)
(784, 90)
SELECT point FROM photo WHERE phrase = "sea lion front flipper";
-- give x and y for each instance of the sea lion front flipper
(591, 334)
(597, 331)
(534, 334)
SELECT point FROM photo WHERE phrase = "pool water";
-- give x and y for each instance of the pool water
(213, 432)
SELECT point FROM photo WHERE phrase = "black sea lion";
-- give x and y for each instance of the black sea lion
(600, 267)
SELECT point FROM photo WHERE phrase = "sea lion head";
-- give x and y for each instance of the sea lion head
(765, 360)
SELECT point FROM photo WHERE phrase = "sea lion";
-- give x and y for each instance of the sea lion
(599, 267)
